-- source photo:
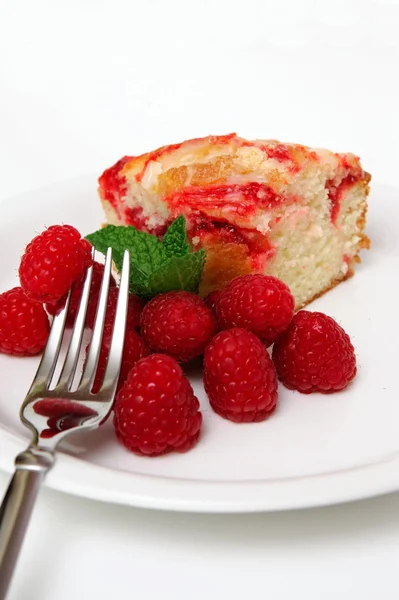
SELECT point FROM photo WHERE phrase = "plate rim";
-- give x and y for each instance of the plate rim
(148, 491)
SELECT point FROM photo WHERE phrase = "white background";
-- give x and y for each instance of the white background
(83, 83)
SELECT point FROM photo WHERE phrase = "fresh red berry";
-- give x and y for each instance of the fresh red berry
(24, 324)
(134, 309)
(96, 279)
(156, 410)
(239, 376)
(52, 262)
(134, 349)
(314, 355)
(178, 324)
(212, 298)
(260, 303)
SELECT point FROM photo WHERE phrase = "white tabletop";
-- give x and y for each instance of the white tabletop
(84, 82)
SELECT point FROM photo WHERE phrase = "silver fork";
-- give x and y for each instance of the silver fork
(52, 410)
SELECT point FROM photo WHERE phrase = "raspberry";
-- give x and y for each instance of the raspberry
(24, 325)
(239, 377)
(134, 306)
(179, 324)
(96, 279)
(156, 410)
(52, 262)
(212, 298)
(260, 303)
(134, 309)
(134, 349)
(314, 354)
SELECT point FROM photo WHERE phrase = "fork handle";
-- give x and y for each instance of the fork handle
(16, 508)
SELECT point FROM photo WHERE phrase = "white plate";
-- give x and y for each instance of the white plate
(315, 450)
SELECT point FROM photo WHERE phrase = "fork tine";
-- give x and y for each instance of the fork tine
(72, 356)
(51, 352)
(90, 367)
(111, 375)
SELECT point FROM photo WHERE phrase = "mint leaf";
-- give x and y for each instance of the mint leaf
(146, 251)
(155, 267)
(180, 273)
(175, 239)
(108, 238)
(138, 280)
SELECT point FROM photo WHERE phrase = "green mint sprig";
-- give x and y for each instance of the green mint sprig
(155, 267)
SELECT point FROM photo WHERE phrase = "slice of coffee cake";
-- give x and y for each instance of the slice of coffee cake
(256, 206)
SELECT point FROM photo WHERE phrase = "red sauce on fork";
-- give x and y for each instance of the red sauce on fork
(63, 414)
